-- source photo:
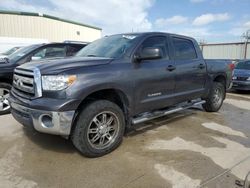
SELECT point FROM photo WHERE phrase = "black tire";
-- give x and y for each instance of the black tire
(87, 128)
(4, 90)
(215, 98)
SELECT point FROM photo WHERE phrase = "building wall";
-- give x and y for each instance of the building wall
(225, 51)
(28, 26)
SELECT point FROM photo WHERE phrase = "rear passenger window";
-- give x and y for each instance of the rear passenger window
(159, 42)
(184, 49)
(55, 52)
(49, 52)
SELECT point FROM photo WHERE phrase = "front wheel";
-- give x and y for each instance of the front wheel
(99, 129)
(4, 95)
(215, 98)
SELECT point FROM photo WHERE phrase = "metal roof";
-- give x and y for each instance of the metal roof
(228, 43)
(46, 16)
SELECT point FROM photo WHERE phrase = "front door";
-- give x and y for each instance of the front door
(154, 78)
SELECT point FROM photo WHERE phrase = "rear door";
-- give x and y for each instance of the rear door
(154, 83)
(190, 68)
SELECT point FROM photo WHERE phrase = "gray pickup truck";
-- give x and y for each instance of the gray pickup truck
(114, 83)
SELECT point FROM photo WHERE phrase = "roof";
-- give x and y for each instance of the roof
(68, 43)
(156, 33)
(47, 16)
(60, 43)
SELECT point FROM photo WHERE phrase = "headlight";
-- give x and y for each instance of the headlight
(248, 79)
(234, 78)
(57, 82)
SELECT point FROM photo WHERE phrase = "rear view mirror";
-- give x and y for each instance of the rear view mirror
(150, 53)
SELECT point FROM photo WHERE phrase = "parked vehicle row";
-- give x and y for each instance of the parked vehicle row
(27, 54)
(114, 83)
(241, 77)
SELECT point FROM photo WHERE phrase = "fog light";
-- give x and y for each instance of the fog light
(46, 121)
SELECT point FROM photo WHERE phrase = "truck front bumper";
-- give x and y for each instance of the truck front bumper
(51, 122)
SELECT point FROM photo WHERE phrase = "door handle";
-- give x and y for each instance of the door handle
(201, 66)
(171, 68)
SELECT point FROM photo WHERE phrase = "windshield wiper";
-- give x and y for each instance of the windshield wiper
(91, 55)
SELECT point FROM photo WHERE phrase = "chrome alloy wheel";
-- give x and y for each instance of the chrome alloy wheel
(103, 130)
(218, 96)
(4, 103)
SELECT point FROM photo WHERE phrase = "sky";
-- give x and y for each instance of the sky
(206, 20)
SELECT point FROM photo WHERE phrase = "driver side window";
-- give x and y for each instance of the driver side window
(159, 42)
(49, 52)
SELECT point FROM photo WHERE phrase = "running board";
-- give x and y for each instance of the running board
(156, 114)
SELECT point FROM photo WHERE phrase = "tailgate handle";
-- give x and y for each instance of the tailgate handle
(171, 68)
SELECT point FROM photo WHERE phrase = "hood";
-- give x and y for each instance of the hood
(241, 72)
(57, 66)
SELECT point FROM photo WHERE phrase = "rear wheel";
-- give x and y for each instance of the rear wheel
(99, 129)
(215, 98)
(4, 95)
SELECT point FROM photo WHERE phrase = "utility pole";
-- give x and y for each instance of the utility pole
(246, 35)
(202, 42)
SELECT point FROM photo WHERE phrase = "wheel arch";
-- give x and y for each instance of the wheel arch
(116, 96)
(220, 78)
(6, 80)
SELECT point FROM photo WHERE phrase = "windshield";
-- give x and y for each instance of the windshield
(243, 65)
(16, 56)
(111, 47)
(10, 51)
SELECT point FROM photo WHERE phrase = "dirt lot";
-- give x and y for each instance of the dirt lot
(188, 149)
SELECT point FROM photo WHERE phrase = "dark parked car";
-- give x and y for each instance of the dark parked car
(114, 83)
(27, 54)
(241, 75)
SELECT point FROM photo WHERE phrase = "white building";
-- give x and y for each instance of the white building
(27, 27)
(237, 50)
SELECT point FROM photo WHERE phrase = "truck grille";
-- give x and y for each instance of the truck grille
(27, 83)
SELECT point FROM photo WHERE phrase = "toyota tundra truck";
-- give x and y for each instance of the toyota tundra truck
(114, 83)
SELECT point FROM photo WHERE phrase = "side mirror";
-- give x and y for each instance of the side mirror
(33, 58)
(149, 53)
